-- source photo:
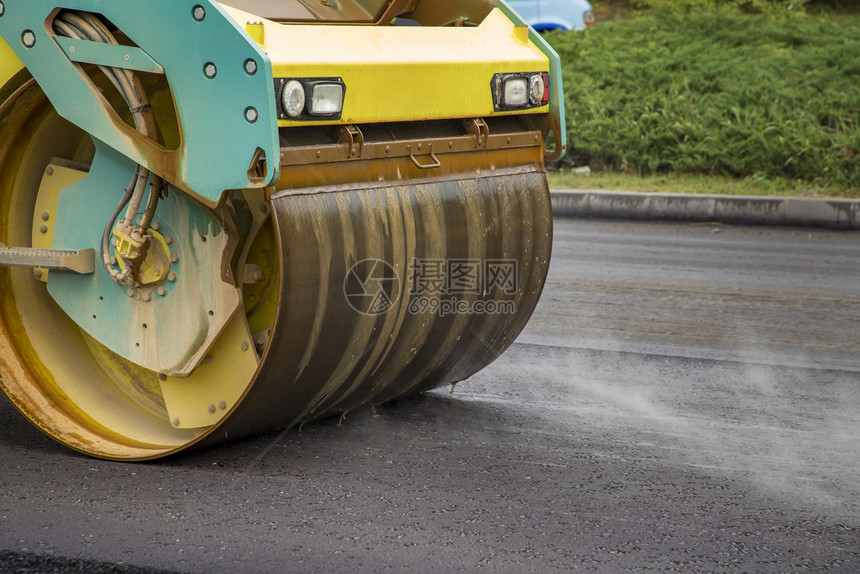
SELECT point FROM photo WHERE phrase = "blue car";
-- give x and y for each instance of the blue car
(555, 14)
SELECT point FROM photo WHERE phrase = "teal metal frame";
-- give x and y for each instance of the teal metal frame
(224, 119)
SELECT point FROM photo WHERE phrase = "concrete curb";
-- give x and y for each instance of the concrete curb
(741, 209)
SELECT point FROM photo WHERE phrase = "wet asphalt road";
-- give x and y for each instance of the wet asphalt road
(685, 398)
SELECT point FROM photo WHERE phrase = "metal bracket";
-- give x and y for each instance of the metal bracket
(478, 128)
(353, 138)
(81, 261)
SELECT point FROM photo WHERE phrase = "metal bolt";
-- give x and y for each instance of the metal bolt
(250, 66)
(198, 13)
(171, 276)
(46, 216)
(168, 239)
(131, 292)
(174, 258)
(156, 225)
(50, 170)
(222, 405)
(251, 115)
(44, 229)
(28, 38)
(146, 296)
(162, 291)
(175, 422)
(211, 409)
(244, 345)
(2, 8)
(210, 70)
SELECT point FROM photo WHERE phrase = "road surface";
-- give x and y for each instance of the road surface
(686, 397)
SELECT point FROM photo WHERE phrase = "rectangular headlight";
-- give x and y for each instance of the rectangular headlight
(516, 92)
(327, 99)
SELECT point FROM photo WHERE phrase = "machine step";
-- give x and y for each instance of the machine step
(81, 261)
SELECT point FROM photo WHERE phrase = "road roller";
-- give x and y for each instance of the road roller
(227, 218)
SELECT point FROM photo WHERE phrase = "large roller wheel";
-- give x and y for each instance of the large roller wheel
(347, 312)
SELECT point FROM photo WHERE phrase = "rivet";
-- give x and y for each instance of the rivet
(44, 229)
(319, 154)
(131, 292)
(509, 140)
(174, 258)
(388, 149)
(450, 143)
(156, 225)
(127, 57)
(222, 405)
(175, 422)
(46, 216)
(37, 273)
(28, 38)
(72, 49)
(211, 409)
(168, 239)
(162, 291)
(50, 170)
(244, 345)
(146, 296)
(419, 146)
(171, 276)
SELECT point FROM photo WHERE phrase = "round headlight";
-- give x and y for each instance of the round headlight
(293, 98)
(536, 89)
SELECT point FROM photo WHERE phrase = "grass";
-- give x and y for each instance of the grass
(695, 183)
(767, 103)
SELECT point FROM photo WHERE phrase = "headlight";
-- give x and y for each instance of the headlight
(536, 89)
(326, 99)
(516, 93)
(293, 98)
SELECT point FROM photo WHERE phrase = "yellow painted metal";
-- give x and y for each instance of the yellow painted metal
(213, 389)
(57, 175)
(397, 73)
(9, 63)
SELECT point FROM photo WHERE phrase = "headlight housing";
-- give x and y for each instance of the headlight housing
(520, 91)
(310, 99)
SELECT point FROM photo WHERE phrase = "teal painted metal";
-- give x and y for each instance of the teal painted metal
(556, 93)
(219, 139)
(166, 332)
(127, 57)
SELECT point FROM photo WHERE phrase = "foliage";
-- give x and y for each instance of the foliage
(716, 92)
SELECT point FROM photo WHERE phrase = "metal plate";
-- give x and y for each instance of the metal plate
(167, 333)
